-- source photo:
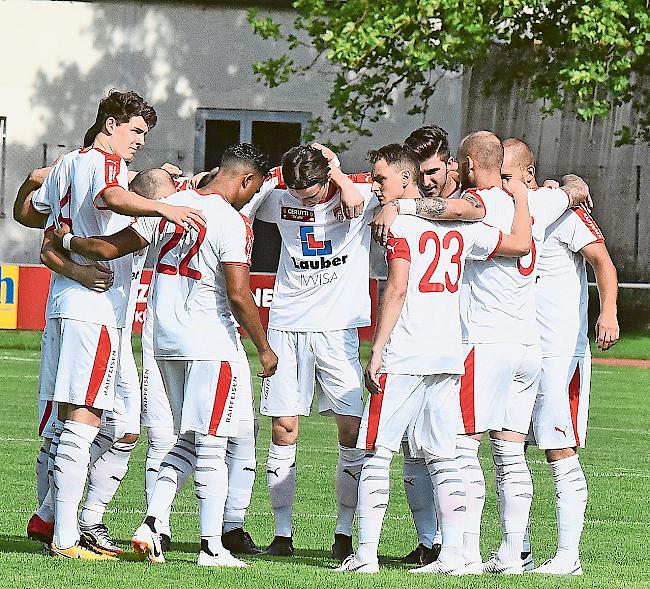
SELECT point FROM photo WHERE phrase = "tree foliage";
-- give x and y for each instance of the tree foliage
(588, 56)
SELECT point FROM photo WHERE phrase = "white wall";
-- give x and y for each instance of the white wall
(60, 58)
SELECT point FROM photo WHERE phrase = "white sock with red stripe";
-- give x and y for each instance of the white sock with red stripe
(348, 469)
(42, 478)
(175, 468)
(474, 481)
(570, 505)
(70, 473)
(281, 480)
(104, 479)
(450, 496)
(160, 440)
(374, 490)
(211, 487)
(240, 459)
(515, 496)
(419, 494)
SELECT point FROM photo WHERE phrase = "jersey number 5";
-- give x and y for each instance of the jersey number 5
(184, 266)
(425, 282)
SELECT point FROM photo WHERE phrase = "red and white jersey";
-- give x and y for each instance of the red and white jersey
(322, 279)
(497, 295)
(427, 337)
(183, 183)
(73, 193)
(561, 289)
(189, 301)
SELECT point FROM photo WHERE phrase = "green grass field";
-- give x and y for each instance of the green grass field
(615, 542)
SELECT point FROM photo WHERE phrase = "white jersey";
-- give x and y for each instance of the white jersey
(189, 302)
(137, 265)
(322, 279)
(427, 337)
(87, 173)
(497, 295)
(561, 289)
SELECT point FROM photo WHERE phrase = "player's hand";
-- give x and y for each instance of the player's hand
(382, 222)
(57, 236)
(269, 362)
(551, 184)
(371, 375)
(578, 191)
(187, 217)
(516, 187)
(174, 171)
(95, 277)
(607, 332)
(326, 151)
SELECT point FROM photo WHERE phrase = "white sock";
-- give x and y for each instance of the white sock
(174, 470)
(160, 441)
(70, 473)
(570, 505)
(54, 444)
(474, 481)
(281, 480)
(374, 490)
(419, 494)
(42, 479)
(515, 496)
(211, 486)
(451, 499)
(348, 469)
(240, 460)
(103, 481)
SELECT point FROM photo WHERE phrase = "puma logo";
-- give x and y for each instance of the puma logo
(409, 482)
(562, 431)
(391, 247)
(348, 471)
(250, 469)
(275, 472)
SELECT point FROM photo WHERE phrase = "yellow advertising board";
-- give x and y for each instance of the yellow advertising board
(8, 296)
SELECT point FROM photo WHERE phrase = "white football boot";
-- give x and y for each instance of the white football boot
(351, 564)
(498, 567)
(222, 559)
(556, 566)
(146, 544)
(439, 567)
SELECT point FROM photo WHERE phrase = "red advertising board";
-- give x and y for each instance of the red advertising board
(34, 283)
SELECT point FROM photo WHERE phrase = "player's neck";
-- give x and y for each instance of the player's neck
(451, 185)
(221, 186)
(411, 191)
(102, 142)
(486, 179)
(533, 183)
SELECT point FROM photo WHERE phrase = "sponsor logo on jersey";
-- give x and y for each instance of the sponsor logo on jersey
(311, 246)
(301, 215)
(338, 214)
(318, 279)
(321, 264)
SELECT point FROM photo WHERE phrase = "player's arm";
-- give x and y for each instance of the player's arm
(125, 202)
(247, 315)
(106, 247)
(352, 201)
(518, 242)
(607, 330)
(94, 276)
(389, 311)
(24, 211)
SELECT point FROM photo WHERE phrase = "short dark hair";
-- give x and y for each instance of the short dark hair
(148, 183)
(397, 155)
(248, 155)
(304, 166)
(428, 141)
(122, 106)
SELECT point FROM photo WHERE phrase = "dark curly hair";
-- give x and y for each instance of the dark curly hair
(428, 141)
(247, 154)
(304, 166)
(396, 155)
(122, 106)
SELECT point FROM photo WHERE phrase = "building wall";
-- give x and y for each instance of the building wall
(178, 57)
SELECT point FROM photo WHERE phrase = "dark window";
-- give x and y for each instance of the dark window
(218, 136)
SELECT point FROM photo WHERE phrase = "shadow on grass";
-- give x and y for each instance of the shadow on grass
(20, 544)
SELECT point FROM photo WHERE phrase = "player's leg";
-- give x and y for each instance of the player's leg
(85, 385)
(285, 396)
(340, 392)
(560, 425)
(515, 488)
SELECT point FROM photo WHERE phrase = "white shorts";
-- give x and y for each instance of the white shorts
(425, 407)
(562, 404)
(126, 409)
(85, 371)
(329, 359)
(201, 395)
(498, 389)
(156, 411)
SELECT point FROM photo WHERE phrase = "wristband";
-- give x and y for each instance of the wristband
(67, 238)
(407, 206)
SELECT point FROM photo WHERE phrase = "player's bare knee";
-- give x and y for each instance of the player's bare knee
(555, 455)
(348, 428)
(285, 430)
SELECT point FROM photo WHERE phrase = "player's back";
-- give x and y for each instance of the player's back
(190, 304)
(427, 336)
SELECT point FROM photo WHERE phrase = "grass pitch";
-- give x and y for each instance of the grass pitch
(615, 541)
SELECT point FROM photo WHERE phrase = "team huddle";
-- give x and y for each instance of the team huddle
(482, 329)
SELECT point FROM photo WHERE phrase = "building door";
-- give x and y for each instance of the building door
(272, 131)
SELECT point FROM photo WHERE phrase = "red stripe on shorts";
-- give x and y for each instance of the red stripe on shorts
(220, 397)
(46, 416)
(467, 395)
(100, 365)
(574, 401)
(374, 414)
